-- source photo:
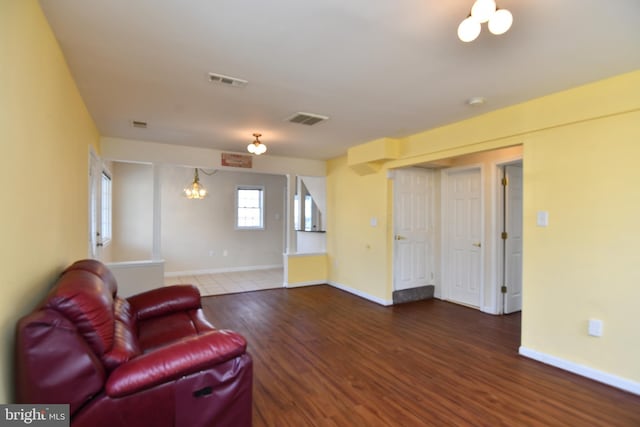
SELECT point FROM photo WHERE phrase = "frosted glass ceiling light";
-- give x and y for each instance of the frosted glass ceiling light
(500, 22)
(468, 30)
(257, 147)
(482, 10)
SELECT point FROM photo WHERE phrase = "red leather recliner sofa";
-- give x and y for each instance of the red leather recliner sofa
(147, 360)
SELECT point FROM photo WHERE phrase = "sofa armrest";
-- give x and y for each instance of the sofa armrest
(165, 300)
(168, 363)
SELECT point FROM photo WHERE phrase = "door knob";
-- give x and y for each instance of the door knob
(477, 244)
(399, 237)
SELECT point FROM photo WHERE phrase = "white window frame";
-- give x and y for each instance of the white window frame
(261, 207)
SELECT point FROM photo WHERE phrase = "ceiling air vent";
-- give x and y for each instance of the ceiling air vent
(307, 118)
(139, 124)
(226, 80)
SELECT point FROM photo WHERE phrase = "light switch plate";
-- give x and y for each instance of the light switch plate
(543, 218)
(595, 327)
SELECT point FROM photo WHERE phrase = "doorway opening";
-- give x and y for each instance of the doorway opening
(468, 262)
(509, 259)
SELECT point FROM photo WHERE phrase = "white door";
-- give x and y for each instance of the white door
(513, 242)
(463, 219)
(413, 228)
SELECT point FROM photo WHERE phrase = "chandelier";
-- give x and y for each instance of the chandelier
(499, 20)
(195, 190)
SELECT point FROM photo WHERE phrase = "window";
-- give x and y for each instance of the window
(296, 212)
(250, 207)
(105, 226)
(308, 220)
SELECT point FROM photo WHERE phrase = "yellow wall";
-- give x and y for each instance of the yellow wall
(358, 252)
(305, 269)
(581, 157)
(585, 263)
(45, 132)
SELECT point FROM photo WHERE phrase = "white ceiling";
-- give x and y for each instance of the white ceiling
(377, 68)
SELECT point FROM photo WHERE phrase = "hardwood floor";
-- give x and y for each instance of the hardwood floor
(323, 357)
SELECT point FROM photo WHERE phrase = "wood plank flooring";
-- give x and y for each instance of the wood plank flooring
(323, 357)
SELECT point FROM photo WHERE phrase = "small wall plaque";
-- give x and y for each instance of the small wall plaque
(236, 160)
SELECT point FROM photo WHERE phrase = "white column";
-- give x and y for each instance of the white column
(157, 224)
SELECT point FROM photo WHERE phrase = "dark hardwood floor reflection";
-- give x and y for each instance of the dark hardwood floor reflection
(323, 357)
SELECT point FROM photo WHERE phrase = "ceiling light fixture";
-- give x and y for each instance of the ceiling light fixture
(499, 20)
(476, 101)
(195, 190)
(257, 147)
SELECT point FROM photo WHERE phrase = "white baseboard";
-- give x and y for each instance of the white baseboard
(585, 371)
(361, 294)
(301, 284)
(220, 270)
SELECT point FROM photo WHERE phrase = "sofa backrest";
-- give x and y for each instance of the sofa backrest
(99, 269)
(87, 301)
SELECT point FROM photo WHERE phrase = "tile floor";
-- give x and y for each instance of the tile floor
(233, 282)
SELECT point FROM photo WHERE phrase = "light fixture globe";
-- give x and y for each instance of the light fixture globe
(500, 22)
(483, 10)
(468, 30)
(257, 147)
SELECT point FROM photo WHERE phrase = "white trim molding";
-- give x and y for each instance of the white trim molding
(361, 294)
(221, 270)
(585, 371)
(302, 284)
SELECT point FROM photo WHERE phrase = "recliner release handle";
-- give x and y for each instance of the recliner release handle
(203, 392)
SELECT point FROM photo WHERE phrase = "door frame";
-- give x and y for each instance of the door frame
(94, 205)
(496, 229)
(445, 244)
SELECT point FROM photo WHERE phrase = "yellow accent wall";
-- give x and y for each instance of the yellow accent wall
(45, 132)
(358, 253)
(581, 154)
(305, 269)
(585, 264)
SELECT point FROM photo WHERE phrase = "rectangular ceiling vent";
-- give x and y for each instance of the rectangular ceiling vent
(226, 80)
(139, 124)
(308, 119)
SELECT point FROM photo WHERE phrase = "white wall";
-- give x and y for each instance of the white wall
(158, 153)
(132, 188)
(196, 235)
(200, 234)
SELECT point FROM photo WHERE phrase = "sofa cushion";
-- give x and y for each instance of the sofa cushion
(125, 347)
(159, 331)
(85, 300)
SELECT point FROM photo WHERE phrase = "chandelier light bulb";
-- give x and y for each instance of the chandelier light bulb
(483, 10)
(469, 30)
(500, 22)
(195, 190)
